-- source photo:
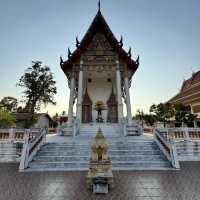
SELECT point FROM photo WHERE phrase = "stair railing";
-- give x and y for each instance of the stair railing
(123, 125)
(167, 146)
(34, 139)
(190, 139)
(76, 127)
(6, 135)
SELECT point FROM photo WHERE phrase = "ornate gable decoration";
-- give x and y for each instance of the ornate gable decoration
(100, 38)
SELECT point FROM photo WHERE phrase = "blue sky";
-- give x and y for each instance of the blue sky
(166, 35)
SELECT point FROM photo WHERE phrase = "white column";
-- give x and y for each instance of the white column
(119, 93)
(128, 103)
(80, 93)
(71, 99)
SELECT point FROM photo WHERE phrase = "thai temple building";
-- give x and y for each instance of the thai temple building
(99, 74)
(99, 70)
(190, 95)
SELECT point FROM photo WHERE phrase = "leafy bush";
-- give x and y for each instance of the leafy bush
(6, 120)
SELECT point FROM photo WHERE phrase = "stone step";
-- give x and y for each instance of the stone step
(9, 159)
(126, 153)
(188, 151)
(111, 147)
(113, 158)
(87, 153)
(77, 141)
(71, 166)
(3, 153)
(8, 153)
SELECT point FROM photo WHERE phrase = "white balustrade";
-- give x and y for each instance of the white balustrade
(76, 127)
(31, 145)
(179, 144)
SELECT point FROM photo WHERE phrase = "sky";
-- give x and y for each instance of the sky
(166, 35)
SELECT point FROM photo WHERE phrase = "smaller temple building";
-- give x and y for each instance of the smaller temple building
(190, 95)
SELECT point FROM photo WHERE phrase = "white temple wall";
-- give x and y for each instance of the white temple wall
(99, 90)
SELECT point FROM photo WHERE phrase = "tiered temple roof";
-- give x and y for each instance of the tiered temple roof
(99, 25)
(190, 91)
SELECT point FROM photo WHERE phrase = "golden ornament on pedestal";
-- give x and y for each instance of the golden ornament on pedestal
(100, 177)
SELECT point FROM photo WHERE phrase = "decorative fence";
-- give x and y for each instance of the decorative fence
(24, 140)
(179, 144)
(76, 127)
(31, 147)
(11, 135)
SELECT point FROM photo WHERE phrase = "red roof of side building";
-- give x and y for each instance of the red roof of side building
(190, 91)
(99, 25)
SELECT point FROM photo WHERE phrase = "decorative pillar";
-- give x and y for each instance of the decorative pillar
(71, 99)
(119, 93)
(80, 93)
(128, 103)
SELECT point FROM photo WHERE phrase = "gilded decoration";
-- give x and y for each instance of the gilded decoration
(100, 168)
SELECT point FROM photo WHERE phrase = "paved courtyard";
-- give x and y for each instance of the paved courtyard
(136, 185)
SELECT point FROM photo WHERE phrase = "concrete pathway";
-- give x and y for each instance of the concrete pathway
(135, 185)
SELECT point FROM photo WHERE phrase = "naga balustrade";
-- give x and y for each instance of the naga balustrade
(76, 127)
(33, 142)
(184, 142)
(123, 126)
(167, 146)
(16, 135)
(4, 135)
(12, 135)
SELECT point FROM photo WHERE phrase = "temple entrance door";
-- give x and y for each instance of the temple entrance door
(86, 109)
(87, 114)
(112, 108)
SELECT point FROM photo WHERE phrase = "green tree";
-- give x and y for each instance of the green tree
(6, 120)
(39, 86)
(9, 104)
(163, 112)
(150, 119)
(139, 116)
(30, 121)
(182, 114)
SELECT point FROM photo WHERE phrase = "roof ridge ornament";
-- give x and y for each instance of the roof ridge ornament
(61, 61)
(129, 52)
(121, 42)
(138, 60)
(69, 53)
(99, 5)
(77, 42)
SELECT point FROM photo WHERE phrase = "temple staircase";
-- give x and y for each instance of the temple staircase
(126, 153)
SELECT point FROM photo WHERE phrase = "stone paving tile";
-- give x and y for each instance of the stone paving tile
(136, 185)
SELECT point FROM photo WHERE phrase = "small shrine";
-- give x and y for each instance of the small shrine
(100, 177)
